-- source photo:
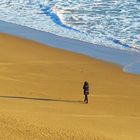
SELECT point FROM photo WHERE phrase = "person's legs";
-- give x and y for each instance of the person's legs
(86, 99)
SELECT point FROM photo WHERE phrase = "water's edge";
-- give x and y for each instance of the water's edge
(129, 61)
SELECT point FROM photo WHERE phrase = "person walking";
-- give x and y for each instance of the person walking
(86, 91)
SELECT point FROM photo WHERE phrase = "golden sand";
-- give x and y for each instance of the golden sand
(41, 95)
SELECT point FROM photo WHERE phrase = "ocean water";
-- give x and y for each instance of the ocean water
(110, 23)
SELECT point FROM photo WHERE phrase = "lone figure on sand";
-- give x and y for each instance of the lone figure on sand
(86, 91)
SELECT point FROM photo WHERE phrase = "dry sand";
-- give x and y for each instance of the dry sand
(41, 95)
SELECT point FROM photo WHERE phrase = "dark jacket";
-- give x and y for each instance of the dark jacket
(86, 89)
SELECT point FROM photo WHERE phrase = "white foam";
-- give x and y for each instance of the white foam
(96, 20)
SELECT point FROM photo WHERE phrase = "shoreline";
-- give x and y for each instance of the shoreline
(128, 61)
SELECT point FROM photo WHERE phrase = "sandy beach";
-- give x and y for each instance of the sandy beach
(41, 95)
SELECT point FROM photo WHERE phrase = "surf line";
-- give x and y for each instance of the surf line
(116, 41)
(47, 10)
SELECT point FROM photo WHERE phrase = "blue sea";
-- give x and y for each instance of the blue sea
(111, 23)
(108, 30)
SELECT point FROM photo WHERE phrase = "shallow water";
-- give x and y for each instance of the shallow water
(112, 23)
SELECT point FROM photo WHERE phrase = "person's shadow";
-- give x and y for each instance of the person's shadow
(41, 99)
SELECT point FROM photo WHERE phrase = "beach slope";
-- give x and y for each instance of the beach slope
(41, 95)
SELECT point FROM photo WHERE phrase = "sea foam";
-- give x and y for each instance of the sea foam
(99, 22)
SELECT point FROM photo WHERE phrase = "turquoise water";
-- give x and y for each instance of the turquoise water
(112, 23)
